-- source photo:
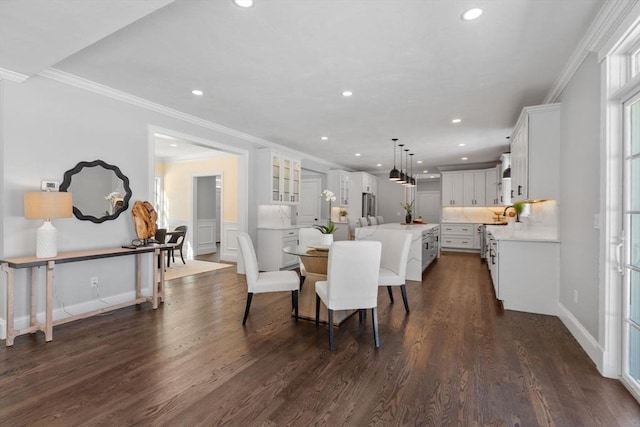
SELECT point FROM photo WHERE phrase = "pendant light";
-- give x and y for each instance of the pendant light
(407, 180)
(403, 177)
(412, 181)
(394, 175)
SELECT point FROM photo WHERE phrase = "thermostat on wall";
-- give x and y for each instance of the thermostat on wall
(49, 185)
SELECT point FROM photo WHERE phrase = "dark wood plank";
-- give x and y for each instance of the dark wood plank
(456, 359)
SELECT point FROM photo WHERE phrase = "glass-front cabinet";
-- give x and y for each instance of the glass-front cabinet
(281, 173)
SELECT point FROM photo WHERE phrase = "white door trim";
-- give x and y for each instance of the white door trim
(194, 204)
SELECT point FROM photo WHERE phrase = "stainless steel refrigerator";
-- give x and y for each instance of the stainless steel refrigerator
(368, 205)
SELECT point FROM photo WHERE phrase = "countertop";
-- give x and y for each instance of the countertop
(525, 234)
(475, 222)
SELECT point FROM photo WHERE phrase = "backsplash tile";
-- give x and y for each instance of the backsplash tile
(274, 216)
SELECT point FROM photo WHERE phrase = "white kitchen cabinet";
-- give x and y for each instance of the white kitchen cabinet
(535, 154)
(492, 183)
(457, 236)
(278, 178)
(270, 245)
(339, 184)
(474, 188)
(452, 189)
(364, 181)
(525, 274)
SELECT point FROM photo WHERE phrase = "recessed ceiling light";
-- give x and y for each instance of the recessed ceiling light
(425, 171)
(347, 93)
(324, 138)
(456, 121)
(471, 14)
(465, 158)
(358, 154)
(379, 164)
(197, 92)
(243, 3)
(174, 145)
(419, 162)
(462, 144)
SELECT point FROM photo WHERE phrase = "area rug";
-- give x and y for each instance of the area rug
(192, 267)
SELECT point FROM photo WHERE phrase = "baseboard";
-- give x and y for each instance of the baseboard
(588, 343)
(59, 313)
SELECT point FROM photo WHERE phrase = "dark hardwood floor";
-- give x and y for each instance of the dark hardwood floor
(456, 359)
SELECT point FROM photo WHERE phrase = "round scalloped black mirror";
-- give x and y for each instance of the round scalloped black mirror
(100, 191)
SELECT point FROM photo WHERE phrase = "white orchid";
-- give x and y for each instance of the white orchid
(328, 196)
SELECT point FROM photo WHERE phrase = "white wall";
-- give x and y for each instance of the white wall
(389, 196)
(580, 195)
(48, 127)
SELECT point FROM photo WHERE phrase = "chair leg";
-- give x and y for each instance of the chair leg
(403, 290)
(332, 345)
(360, 316)
(246, 310)
(302, 281)
(376, 338)
(294, 295)
(390, 294)
(317, 310)
(181, 256)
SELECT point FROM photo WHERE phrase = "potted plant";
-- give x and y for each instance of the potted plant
(327, 230)
(408, 210)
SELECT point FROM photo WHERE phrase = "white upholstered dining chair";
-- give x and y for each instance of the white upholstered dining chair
(352, 224)
(307, 236)
(269, 281)
(352, 282)
(372, 220)
(393, 262)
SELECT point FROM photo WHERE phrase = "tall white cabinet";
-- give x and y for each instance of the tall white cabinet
(471, 188)
(535, 154)
(278, 178)
(339, 184)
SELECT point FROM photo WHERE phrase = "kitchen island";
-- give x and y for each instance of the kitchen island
(424, 248)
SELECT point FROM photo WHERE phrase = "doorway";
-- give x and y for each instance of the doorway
(207, 213)
(309, 209)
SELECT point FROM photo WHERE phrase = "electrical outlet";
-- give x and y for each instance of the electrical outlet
(94, 282)
(575, 296)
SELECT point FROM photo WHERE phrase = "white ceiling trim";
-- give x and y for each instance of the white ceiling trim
(605, 23)
(12, 75)
(79, 82)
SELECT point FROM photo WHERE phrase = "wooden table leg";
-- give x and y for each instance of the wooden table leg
(48, 324)
(34, 297)
(138, 276)
(10, 331)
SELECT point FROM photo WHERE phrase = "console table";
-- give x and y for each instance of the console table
(9, 265)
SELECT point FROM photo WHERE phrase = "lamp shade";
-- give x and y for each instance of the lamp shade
(47, 205)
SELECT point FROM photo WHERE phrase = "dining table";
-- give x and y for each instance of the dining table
(315, 259)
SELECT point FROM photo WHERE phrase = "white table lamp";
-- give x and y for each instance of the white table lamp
(47, 205)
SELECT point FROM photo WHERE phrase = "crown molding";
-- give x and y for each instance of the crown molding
(100, 89)
(603, 26)
(13, 76)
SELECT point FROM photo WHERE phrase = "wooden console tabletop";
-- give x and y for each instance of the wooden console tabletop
(9, 265)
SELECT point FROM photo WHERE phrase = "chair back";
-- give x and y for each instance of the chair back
(395, 249)
(249, 258)
(178, 239)
(380, 219)
(364, 222)
(352, 275)
(308, 236)
(372, 220)
(161, 235)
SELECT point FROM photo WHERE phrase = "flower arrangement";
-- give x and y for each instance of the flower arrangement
(408, 207)
(328, 196)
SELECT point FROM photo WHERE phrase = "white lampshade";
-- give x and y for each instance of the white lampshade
(46, 205)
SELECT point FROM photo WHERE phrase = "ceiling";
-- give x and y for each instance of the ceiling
(276, 71)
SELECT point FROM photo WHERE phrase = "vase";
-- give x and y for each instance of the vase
(407, 219)
(326, 239)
